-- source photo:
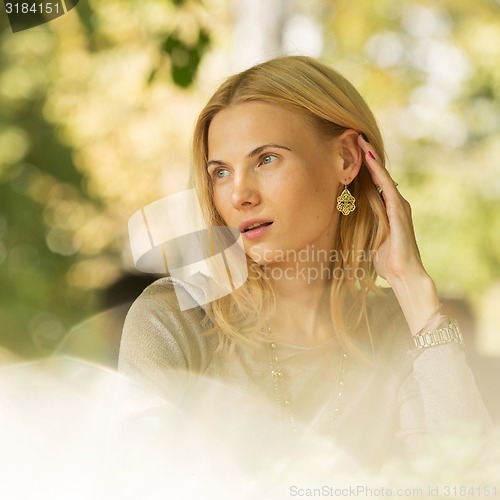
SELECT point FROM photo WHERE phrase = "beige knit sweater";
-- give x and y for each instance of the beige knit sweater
(387, 408)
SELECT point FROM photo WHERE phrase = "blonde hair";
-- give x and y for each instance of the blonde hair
(332, 105)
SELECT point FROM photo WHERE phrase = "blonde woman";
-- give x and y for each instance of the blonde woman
(289, 153)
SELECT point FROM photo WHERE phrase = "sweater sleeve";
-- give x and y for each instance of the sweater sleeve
(161, 350)
(436, 390)
(439, 396)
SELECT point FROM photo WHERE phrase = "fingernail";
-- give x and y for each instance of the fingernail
(371, 154)
(364, 137)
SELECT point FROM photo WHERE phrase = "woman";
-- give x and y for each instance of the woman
(289, 153)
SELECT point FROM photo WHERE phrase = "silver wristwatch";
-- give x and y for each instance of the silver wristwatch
(450, 333)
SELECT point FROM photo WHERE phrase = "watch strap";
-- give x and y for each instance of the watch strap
(445, 335)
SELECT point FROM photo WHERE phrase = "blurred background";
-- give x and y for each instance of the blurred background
(97, 109)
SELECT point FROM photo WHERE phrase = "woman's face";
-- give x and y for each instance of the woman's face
(270, 167)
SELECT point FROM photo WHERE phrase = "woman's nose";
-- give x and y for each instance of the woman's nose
(245, 191)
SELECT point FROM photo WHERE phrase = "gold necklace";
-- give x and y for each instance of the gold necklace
(282, 397)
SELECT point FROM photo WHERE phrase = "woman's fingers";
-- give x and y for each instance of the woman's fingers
(398, 255)
(380, 176)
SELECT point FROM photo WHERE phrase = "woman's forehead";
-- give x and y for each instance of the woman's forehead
(256, 121)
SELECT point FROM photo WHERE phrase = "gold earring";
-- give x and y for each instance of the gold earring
(346, 203)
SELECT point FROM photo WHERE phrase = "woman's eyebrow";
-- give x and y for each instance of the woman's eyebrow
(259, 150)
(215, 162)
(252, 153)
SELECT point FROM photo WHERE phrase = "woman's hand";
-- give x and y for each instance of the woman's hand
(398, 258)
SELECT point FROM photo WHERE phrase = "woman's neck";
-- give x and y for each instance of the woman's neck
(302, 314)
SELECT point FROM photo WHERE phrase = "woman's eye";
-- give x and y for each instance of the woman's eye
(220, 173)
(268, 159)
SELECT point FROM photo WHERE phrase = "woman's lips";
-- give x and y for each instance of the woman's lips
(257, 232)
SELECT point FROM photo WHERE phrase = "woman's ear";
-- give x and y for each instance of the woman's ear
(351, 154)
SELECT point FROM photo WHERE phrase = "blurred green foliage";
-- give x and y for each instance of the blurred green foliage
(185, 58)
(96, 109)
(39, 181)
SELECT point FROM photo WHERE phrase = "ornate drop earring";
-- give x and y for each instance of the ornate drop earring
(346, 203)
